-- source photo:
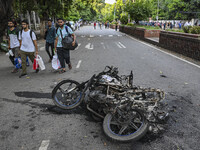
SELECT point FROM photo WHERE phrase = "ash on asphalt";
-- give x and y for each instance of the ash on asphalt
(28, 94)
(81, 110)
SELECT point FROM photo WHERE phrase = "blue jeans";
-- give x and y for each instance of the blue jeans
(63, 56)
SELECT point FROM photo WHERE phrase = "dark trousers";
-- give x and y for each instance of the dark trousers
(15, 52)
(47, 49)
(24, 57)
(63, 56)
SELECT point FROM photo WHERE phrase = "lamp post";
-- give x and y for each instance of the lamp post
(157, 11)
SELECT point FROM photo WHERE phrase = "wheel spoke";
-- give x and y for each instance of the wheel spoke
(122, 129)
(69, 86)
(114, 123)
(137, 121)
(133, 126)
(61, 90)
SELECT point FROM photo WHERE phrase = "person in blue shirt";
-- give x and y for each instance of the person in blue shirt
(50, 38)
(180, 25)
(63, 54)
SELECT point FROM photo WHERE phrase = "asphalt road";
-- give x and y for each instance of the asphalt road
(30, 121)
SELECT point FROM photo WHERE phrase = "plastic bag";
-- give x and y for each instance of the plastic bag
(18, 63)
(35, 64)
(55, 62)
(40, 62)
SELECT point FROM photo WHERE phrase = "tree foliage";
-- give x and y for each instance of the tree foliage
(176, 9)
(138, 10)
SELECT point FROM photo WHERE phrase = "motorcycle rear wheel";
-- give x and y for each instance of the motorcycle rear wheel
(125, 132)
(66, 96)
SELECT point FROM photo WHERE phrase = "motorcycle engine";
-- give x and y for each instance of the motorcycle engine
(109, 80)
(100, 97)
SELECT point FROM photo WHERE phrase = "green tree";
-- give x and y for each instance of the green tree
(108, 13)
(138, 10)
(6, 13)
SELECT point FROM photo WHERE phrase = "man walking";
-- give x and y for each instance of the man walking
(28, 45)
(13, 42)
(95, 25)
(50, 37)
(63, 54)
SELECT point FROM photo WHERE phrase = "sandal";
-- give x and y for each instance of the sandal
(62, 71)
(15, 70)
(69, 66)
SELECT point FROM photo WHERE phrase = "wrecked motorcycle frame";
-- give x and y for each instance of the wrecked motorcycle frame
(126, 110)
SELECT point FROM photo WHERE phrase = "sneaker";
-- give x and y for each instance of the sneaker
(22, 75)
(15, 70)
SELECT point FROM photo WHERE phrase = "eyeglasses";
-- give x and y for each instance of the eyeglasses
(23, 24)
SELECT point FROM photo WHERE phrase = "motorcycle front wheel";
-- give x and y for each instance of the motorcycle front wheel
(66, 95)
(132, 129)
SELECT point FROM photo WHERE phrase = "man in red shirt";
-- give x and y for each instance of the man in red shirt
(95, 25)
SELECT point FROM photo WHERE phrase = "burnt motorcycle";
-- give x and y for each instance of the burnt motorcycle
(126, 110)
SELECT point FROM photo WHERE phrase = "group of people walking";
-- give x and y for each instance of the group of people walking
(107, 25)
(23, 44)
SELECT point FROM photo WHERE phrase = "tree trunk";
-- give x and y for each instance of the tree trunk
(42, 29)
(6, 13)
(34, 20)
(28, 16)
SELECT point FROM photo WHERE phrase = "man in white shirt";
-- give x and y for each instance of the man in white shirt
(28, 46)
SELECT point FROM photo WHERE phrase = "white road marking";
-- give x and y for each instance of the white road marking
(91, 35)
(83, 36)
(100, 35)
(79, 63)
(44, 145)
(103, 45)
(122, 45)
(79, 44)
(118, 45)
(119, 35)
(89, 46)
(165, 52)
(110, 35)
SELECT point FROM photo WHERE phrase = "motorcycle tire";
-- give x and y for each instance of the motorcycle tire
(136, 135)
(68, 100)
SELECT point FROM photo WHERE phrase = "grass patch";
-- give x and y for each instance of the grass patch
(149, 27)
(175, 30)
(145, 27)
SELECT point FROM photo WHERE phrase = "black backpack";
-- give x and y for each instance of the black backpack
(67, 41)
